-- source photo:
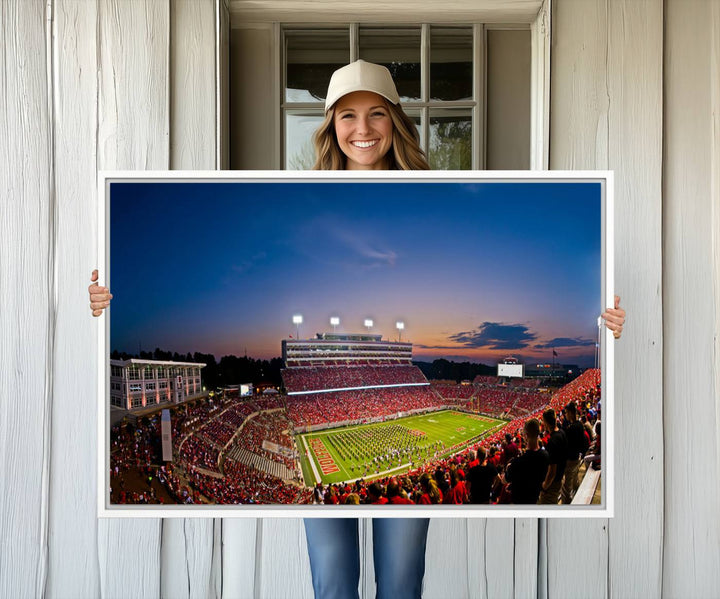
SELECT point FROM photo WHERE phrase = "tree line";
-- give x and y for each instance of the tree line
(446, 370)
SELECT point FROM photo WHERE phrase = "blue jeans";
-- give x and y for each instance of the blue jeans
(398, 551)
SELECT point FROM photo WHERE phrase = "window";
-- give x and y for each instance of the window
(150, 386)
(432, 68)
(467, 86)
(439, 71)
(133, 373)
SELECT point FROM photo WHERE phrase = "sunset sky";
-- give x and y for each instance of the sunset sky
(477, 271)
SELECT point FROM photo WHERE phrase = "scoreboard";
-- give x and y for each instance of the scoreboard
(511, 370)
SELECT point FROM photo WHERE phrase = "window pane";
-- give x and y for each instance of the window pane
(299, 150)
(451, 55)
(398, 50)
(450, 139)
(311, 57)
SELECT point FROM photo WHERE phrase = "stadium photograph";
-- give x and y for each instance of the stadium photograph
(334, 343)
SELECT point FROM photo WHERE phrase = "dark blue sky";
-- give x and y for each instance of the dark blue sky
(476, 271)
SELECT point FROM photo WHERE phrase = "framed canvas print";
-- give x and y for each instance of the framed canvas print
(339, 344)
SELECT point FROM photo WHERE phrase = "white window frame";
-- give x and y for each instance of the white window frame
(270, 13)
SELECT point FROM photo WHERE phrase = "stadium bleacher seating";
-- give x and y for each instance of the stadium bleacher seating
(217, 465)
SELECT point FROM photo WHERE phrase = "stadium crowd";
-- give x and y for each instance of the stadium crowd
(363, 404)
(501, 401)
(448, 391)
(317, 378)
(264, 428)
(526, 462)
(199, 432)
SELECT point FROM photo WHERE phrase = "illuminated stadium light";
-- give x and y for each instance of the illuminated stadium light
(334, 321)
(297, 321)
(368, 323)
(400, 325)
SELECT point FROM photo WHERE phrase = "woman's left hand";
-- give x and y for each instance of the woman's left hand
(614, 318)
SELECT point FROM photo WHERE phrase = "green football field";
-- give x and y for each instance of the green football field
(371, 450)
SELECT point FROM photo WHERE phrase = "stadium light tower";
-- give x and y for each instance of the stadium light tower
(297, 321)
(400, 325)
(334, 321)
(368, 324)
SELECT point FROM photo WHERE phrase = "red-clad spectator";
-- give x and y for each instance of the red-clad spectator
(396, 494)
(458, 492)
(510, 450)
(375, 495)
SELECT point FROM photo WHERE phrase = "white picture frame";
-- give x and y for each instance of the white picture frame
(605, 269)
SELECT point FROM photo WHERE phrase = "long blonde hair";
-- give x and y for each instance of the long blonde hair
(405, 154)
(430, 487)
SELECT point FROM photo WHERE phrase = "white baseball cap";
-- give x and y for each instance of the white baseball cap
(361, 76)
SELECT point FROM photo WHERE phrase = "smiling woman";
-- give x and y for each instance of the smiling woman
(365, 127)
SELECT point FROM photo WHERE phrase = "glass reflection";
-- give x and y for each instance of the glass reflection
(450, 146)
(299, 149)
(311, 58)
(398, 50)
(451, 56)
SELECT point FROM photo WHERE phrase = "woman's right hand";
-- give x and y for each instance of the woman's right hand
(99, 296)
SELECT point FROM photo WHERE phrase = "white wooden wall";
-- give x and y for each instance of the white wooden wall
(132, 85)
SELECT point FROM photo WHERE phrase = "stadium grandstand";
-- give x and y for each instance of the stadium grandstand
(346, 397)
(343, 379)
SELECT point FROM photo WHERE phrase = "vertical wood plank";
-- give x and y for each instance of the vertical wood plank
(216, 568)
(189, 566)
(578, 140)
(187, 558)
(490, 559)
(525, 563)
(73, 562)
(133, 127)
(288, 577)
(691, 400)
(239, 558)
(635, 49)
(193, 85)
(133, 133)
(26, 303)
